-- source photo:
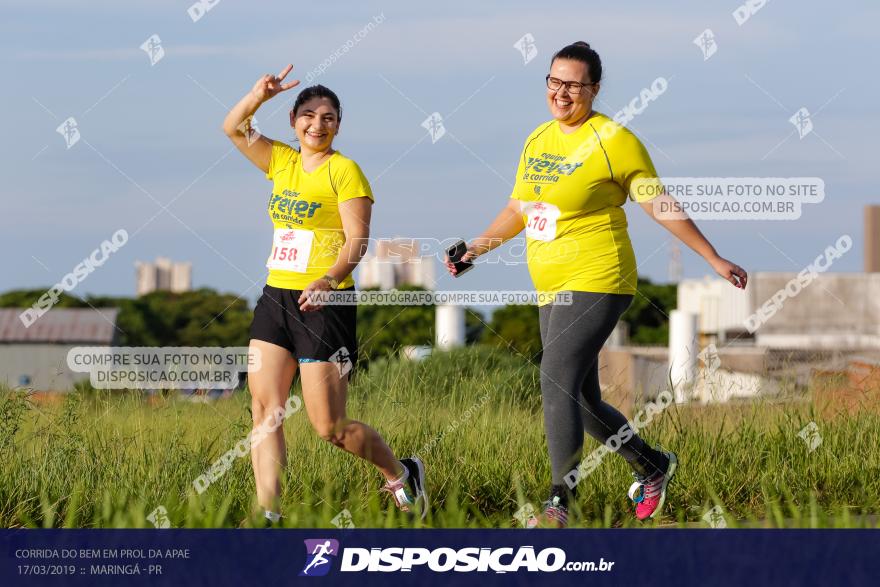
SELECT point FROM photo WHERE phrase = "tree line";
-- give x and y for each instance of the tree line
(205, 317)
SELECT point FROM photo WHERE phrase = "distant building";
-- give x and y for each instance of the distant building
(164, 275)
(872, 239)
(835, 311)
(721, 309)
(797, 334)
(784, 331)
(839, 311)
(395, 263)
(36, 357)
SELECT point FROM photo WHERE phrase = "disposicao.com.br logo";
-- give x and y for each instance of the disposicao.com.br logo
(318, 551)
(441, 560)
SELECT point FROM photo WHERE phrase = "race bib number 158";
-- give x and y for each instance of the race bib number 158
(290, 250)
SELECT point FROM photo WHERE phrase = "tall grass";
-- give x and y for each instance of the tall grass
(107, 459)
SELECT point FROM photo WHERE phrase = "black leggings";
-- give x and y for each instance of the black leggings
(572, 336)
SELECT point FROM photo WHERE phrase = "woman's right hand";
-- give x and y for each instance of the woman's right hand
(270, 85)
(468, 256)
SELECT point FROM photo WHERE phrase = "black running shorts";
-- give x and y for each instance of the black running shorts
(328, 334)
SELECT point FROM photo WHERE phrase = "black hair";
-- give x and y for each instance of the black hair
(581, 51)
(318, 91)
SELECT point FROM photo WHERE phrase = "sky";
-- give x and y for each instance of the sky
(151, 157)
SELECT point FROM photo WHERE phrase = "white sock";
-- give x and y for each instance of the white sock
(272, 516)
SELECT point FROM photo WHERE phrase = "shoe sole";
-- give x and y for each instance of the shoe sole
(670, 474)
(421, 481)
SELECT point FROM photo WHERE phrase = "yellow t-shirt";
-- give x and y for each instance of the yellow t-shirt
(571, 189)
(304, 209)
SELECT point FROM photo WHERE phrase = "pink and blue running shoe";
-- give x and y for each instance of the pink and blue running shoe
(649, 493)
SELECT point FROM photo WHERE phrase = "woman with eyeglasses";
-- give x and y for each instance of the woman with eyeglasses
(320, 207)
(574, 176)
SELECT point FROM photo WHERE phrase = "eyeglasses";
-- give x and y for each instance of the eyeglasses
(573, 88)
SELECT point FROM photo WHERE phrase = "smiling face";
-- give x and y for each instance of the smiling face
(316, 122)
(571, 109)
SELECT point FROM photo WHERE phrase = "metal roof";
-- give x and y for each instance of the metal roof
(80, 325)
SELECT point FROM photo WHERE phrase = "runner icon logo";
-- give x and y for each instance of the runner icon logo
(318, 553)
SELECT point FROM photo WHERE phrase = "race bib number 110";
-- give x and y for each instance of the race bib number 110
(540, 220)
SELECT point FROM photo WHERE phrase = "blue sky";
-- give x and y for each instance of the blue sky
(152, 133)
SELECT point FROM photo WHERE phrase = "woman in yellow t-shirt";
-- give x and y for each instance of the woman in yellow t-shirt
(575, 173)
(320, 209)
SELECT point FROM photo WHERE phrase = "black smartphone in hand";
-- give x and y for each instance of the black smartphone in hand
(455, 253)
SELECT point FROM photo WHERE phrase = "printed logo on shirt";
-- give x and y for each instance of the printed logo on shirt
(548, 168)
(288, 207)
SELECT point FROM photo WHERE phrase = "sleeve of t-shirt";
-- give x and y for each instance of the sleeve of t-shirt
(351, 182)
(520, 170)
(282, 157)
(633, 168)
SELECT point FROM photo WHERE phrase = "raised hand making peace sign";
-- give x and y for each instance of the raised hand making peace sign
(270, 85)
(237, 125)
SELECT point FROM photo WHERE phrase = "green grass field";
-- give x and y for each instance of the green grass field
(107, 459)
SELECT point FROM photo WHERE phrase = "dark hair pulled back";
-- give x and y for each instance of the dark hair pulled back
(581, 51)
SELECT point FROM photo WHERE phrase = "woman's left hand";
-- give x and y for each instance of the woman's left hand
(318, 285)
(730, 271)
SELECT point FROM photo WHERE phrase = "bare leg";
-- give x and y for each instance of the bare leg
(324, 394)
(269, 387)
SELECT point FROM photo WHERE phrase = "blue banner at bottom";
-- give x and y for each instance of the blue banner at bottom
(439, 557)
